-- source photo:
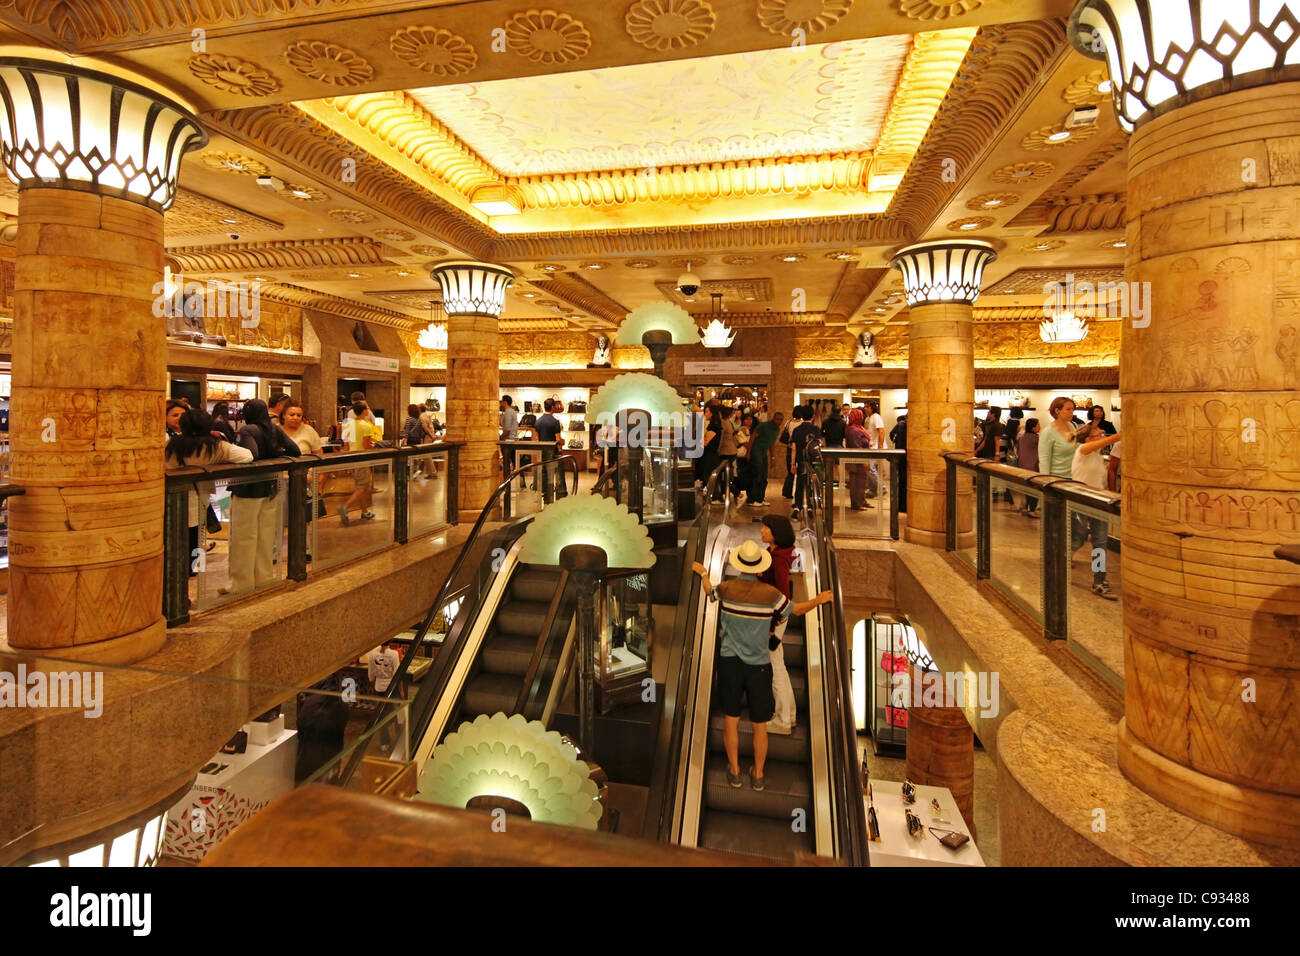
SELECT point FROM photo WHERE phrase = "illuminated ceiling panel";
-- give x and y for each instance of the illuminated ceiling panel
(801, 101)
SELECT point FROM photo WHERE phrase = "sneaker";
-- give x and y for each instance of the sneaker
(367, 516)
(795, 514)
(760, 504)
(734, 779)
(775, 726)
(1104, 590)
(343, 516)
(756, 783)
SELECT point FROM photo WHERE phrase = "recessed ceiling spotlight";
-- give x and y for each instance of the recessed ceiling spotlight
(300, 193)
(879, 309)
(231, 221)
(354, 275)
(990, 203)
(594, 266)
(749, 298)
(790, 258)
(1118, 244)
(1043, 246)
(528, 295)
(1105, 86)
(1060, 136)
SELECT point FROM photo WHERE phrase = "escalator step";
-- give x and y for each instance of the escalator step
(795, 655)
(799, 684)
(790, 747)
(521, 619)
(489, 694)
(504, 654)
(788, 790)
(536, 585)
(753, 836)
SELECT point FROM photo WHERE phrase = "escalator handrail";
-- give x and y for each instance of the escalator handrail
(421, 705)
(850, 812)
(669, 746)
(544, 637)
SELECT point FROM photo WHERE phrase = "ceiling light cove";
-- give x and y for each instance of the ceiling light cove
(785, 133)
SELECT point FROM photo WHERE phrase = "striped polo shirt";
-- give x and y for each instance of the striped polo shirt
(750, 609)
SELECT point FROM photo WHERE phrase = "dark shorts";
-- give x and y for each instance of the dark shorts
(738, 680)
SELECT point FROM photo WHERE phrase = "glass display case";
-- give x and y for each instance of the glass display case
(892, 645)
(625, 627)
(655, 472)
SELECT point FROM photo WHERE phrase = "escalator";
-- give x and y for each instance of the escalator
(741, 820)
(812, 797)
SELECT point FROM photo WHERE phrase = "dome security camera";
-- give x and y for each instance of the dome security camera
(233, 235)
(688, 283)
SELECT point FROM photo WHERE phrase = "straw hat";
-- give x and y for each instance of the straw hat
(750, 558)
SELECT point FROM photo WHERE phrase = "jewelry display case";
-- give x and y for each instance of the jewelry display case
(624, 650)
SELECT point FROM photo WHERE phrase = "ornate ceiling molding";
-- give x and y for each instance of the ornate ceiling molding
(927, 75)
(1088, 214)
(1071, 376)
(732, 291)
(302, 142)
(832, 232)
(194, 214)
(276, 255)
(852, 290)
(533, 325)
(1024, 313)
(1088, 165)
(578, 292)
(335, 305)
(999, 72)
(1032, 281)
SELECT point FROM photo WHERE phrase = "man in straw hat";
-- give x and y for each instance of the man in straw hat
(750, 611)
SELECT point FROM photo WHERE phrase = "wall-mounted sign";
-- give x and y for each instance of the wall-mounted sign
(379, 363)
(731, 371)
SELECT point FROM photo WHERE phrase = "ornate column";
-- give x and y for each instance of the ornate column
(96, 160)
(941, 281)
(1210, 366)
(473, 294)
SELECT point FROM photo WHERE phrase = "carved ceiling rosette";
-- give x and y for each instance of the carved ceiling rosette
(783, 17)
(328, 62)
(669, 24)
(547, 36)
(937, 9)
(434, 50)
(230, 74)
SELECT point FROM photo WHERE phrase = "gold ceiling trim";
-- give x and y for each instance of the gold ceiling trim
(577, 291)
(194, 214)
(1087, 214)
(277, 255)
(396, 123)
(1027, 313)
(1088, 165)
(286, 133)
(758, 289)
(1000, 71)
(851, 291)
(336, 305)
(931, 67)
(533, 325)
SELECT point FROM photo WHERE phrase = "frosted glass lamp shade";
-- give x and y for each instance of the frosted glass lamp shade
(473, 288)
(1163, 53)
(658, 316)
(636, 390)
(81, 129)
(588, 519)
(943, 271)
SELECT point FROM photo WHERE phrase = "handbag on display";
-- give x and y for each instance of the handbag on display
(577, 425)
(575, 443)
(528, 406)
(432, 404)
(577, 408)
(528, 421)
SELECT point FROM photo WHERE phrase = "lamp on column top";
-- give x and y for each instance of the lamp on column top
(75, 128)
(1167, 53)
(943, 271)
(473, 288)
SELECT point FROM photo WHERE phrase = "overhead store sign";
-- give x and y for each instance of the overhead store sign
(728, 370)
(380, 363)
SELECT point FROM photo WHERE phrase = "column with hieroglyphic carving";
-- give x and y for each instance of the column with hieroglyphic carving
(942, 281)
(1210, 367)
(96, 159)
(473, 294)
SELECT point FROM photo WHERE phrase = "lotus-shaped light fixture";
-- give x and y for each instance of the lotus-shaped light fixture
(434, 337)
(519, 760)
(1063, 327)
(588, 519)
(716, 335)
(657, 317)
(636, 390)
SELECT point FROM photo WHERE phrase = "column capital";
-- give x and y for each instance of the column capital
(70, 127)
(943, 271)
(1192, 51)
(473, 288)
